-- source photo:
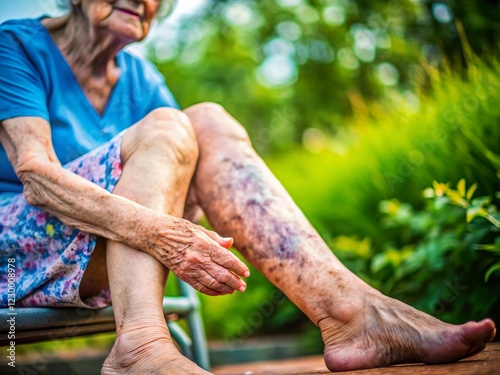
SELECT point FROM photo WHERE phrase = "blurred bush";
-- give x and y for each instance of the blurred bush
(452, 134)
(442, 268)
(285, 66)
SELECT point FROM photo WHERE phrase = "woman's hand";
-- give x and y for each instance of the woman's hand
(196, 255)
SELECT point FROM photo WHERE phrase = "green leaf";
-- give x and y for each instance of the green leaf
(493, 248)
(379, 261)
(441, 202)
(481, 201)
(494, 268)
(461, 187)
(492, 219)
(472, 213)
(494, 158)
(497, 246)
(429, 193)
(471, 191)
(456, 198)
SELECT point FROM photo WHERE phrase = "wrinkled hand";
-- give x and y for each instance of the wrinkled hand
(199, 257)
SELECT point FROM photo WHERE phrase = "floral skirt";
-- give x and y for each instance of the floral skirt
(49, 257)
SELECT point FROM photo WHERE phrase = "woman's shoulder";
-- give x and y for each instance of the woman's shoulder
(25, 36)
(24, 29)
(146, 80)
(140, 68)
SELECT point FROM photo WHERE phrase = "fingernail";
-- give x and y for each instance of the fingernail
(227, 239)
(242, 288)
(246, 274)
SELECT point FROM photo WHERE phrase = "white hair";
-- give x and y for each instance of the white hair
(63, 4)
(166, 7)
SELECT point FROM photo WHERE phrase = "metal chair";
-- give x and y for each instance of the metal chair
(34, 324)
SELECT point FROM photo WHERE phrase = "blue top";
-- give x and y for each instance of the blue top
(36, 80)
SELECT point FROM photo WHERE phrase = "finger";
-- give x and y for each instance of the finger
(204, 289)
(212, 283)
(225, 276)
(226, 242)
(228, 260)
(213, 235)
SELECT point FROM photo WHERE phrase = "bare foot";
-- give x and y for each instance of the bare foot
(147, 349)
(381, 331)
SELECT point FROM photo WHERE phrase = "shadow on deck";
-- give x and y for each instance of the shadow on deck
(484, 363)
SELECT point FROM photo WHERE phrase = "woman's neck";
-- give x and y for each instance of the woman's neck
(90, 54)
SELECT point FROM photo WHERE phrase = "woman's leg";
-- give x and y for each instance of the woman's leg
(361, 328)
(159, 156)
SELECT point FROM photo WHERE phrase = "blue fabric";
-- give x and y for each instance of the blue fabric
(36, 80)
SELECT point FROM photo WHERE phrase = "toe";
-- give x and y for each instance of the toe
(478, 332)
(491, 337)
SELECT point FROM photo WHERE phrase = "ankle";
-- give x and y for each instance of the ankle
(141, 319)
(348, 306)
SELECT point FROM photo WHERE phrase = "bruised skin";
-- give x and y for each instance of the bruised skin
(242, 199)
(361, 328)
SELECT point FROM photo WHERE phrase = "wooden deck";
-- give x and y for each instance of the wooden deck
(485, 363)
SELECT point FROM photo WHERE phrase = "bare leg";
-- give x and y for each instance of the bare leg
(361, 328)
(95, 278)
(159, 156)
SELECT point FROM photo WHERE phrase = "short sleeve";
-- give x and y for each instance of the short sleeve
(161, 96)
(22, 92)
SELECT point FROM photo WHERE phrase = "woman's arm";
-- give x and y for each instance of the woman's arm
(86, 206)
(71, 198)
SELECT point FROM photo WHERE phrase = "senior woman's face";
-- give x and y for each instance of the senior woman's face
(128, 20)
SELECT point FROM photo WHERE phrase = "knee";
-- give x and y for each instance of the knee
(207, 108)
(211, 120)
(168, 130)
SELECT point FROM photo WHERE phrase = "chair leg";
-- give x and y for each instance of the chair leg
(182, 338)
(196, 328)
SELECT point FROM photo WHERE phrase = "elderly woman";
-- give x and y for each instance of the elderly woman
(97, 170)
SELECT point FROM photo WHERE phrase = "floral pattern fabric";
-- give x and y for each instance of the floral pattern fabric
(51, 257)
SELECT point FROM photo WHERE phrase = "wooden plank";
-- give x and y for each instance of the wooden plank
(484, 363)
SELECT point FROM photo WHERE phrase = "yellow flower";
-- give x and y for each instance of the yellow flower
(50, 230)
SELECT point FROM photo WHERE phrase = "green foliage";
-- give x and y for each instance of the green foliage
(440, 269)
(318, 61)
(453, 134)
(478, 207)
